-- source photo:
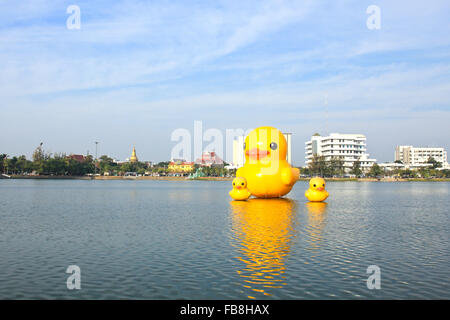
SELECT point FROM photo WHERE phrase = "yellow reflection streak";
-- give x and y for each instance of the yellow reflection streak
(263, 229)
(317, 212)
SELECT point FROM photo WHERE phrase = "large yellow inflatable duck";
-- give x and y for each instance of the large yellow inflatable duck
(240, 191)
(266, 170)
(316, 191)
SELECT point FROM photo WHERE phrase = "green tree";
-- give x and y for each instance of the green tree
(356, 169)
(305, 171)
(39, 160)
(12, 165)
(55, 166)
(3, 156)
(163, 164)
(335, 166)
(106, 164)
(23, 165)
(38, 154)
(436, 164)
(445, 173)
(375, 171)
(318, 165)
(407, 173)
(425, 172)
(138, 167)
(232, 172)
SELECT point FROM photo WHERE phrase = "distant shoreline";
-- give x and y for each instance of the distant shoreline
(161, 178)
(170, 178)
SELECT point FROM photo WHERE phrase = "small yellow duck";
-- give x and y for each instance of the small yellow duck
(316, 191)
(240, 191)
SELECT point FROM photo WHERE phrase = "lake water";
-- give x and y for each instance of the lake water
(187, 240)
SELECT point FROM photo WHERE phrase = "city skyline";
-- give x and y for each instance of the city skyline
(135, 72)
(234, 159)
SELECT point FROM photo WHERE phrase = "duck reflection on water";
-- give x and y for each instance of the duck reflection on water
(263, 233)
(317, 213)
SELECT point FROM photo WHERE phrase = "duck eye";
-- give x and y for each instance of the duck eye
(242, 183)
(234, 183)
(314, 186)
(323, 185)
(273, 146)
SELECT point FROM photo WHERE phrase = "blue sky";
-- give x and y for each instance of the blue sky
(138, 70)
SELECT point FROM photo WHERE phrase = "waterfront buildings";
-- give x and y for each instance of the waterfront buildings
(419, 156)
(77, 157)
(239, 155)
(347, 147)
(209, 159)
(180, 166)
(391, 166)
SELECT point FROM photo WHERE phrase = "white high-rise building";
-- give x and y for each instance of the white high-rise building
(347, 147)
(413, 156)
(238, 150)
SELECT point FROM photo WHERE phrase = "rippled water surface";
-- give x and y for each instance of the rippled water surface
(187, 240)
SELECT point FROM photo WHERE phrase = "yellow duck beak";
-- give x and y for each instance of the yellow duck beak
(257, 153)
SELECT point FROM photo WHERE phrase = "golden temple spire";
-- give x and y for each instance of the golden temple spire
(133, 157)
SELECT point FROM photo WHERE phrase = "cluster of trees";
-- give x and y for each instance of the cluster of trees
(335, 168)
(426, 172)
(435, 164)
(320, 167)
(58, 164)
(44, 163)
(106, 164)
(215, 171)
(421, 173)
(15, 164)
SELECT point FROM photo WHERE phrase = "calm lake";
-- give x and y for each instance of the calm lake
(187, 240)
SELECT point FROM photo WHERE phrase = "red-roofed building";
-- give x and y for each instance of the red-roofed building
(209, 159)
(77, 157)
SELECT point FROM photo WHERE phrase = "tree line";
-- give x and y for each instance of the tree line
(335, 168)
(60, 164)
(44, 163)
